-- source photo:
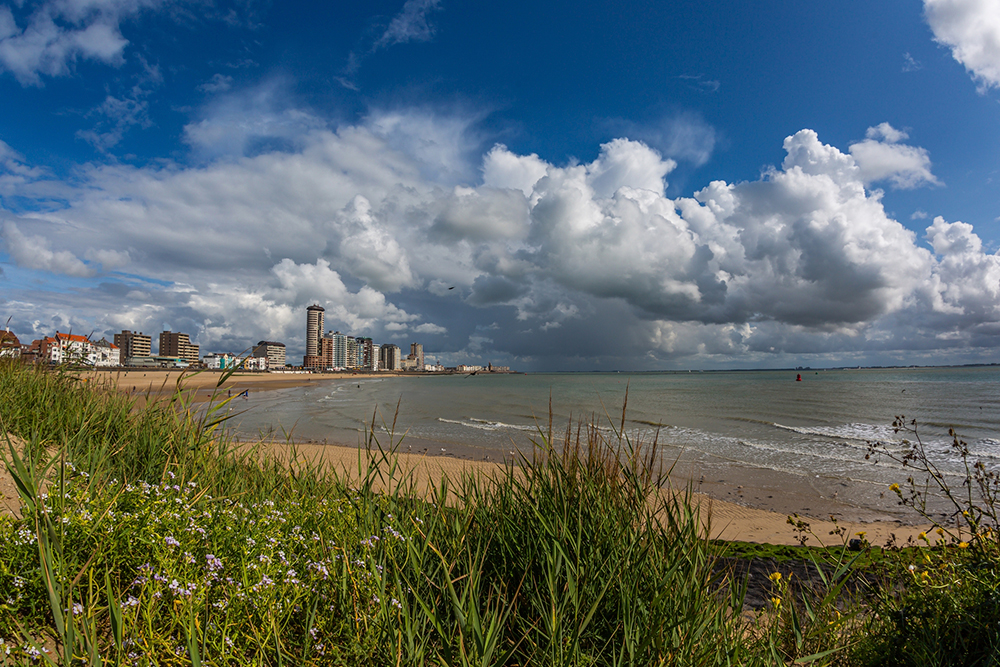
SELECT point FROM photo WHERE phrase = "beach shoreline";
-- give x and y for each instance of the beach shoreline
(200, 384)
(742, 503)
(728, 520)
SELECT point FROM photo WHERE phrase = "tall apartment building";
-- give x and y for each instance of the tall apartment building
(174, 344)
(417, 355)
(367, 355)
(131, 344)
(326, 352)
(333, 350)
(272, 351)
(314, 329)
(314, 332)
(352, 353)
(339, 350)
(390, 358)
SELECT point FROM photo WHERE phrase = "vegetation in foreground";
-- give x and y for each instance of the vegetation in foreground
(147, 539)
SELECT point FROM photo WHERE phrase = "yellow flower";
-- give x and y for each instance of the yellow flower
(922, 536)
(775, 577)
(894, 487)
(861, 534)
(963, 545)
(776, 601)
(940, 531)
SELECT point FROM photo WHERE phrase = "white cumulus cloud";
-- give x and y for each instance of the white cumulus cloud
(880, 157)
(971, 29)
(35, 252)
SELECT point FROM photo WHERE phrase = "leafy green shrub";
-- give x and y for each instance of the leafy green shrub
(941, 607)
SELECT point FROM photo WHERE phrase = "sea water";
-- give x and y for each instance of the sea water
(813, 431)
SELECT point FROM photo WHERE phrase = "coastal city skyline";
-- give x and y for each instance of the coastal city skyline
(629, 188)
(325, 351)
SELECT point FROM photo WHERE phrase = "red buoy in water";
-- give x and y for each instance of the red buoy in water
(798, 377)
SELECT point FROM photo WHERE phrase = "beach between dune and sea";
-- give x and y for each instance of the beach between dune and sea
(743, 504)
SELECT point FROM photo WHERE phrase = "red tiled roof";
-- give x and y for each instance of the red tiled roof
(72, 337)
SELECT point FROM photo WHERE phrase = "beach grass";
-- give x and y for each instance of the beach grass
(147, 537)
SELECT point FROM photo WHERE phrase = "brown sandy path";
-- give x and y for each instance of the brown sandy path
(10, 500)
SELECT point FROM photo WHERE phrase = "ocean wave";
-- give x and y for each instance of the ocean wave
(825, 458)
(751, 420)
(855, 431)
(650, 423)
(500, 424)
(487, 425)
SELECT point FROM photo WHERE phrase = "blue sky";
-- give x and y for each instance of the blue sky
(660, 185)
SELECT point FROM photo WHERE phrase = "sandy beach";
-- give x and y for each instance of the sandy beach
(200, 385)
(751, 505)
(146, 384)
(725, 520)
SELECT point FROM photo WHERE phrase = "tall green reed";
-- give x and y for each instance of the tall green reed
(580, 554)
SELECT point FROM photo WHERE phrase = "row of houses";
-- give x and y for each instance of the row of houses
(132, 349)
(63, 348)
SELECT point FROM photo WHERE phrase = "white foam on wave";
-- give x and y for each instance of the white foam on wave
(835, 451)
(854, 431)
(986, 450)
(487, 425)
(824, 457)
(500, 424)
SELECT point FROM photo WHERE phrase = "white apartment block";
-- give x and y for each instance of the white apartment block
(69, 348)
